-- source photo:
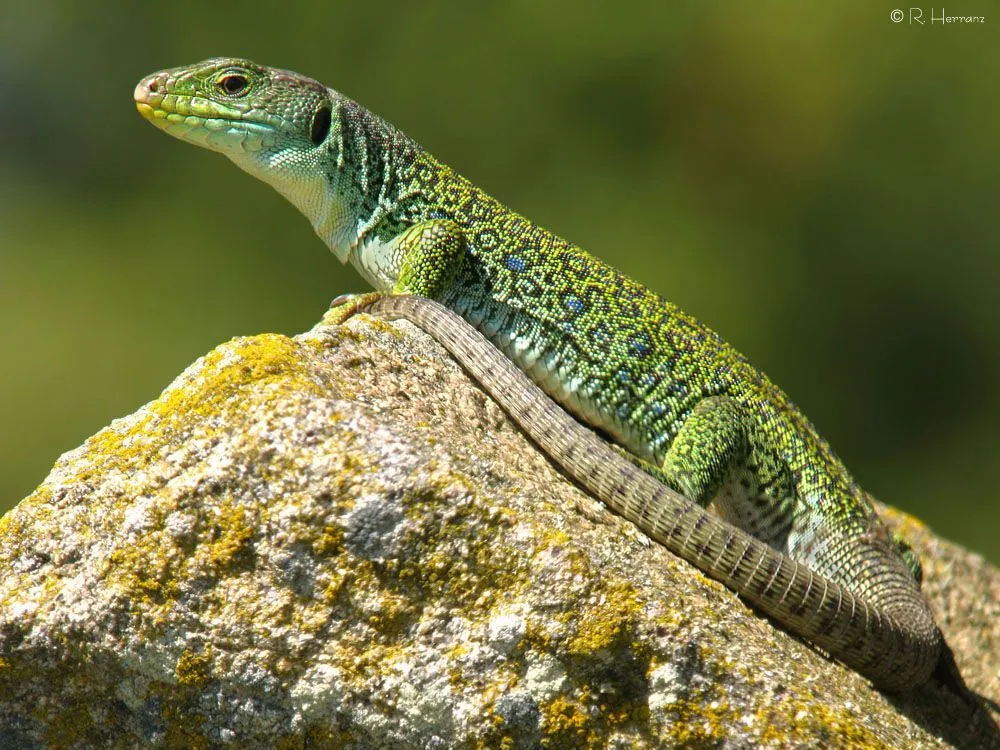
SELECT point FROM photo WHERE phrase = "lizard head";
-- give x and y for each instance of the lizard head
(274, 124)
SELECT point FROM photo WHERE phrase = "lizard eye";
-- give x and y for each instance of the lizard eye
(233, 84)
(320, 125)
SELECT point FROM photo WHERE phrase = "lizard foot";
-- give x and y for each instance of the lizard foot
(346, 306)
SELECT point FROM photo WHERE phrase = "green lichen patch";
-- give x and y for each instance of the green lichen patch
(227, 542)
(812, 721)
(16, 526)
(328, 542)
(182, 719)
(567, 723)
(600, 642)
(154, 569)
(64, 716)
(267, 359)
(68, 727)
(194, 405)
(315, 738)
(607, 623)
(194, 669)
(461, 565)
(701, 716)
(151, 581)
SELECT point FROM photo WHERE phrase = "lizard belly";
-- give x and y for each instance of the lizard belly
(740, 502)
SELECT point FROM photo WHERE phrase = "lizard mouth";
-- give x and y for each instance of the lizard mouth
(198, 120)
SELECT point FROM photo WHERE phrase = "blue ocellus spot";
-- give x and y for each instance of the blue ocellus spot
(639, 346)
(573, 303)
(514, 263)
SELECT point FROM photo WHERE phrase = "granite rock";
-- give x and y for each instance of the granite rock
(337, 540)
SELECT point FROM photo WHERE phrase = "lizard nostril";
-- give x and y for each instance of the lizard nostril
(154, 86)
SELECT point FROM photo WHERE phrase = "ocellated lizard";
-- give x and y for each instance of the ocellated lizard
(792, 531)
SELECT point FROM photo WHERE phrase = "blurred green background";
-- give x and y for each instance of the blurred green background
(818, 183)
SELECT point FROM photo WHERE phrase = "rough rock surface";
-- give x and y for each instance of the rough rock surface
(337, 540)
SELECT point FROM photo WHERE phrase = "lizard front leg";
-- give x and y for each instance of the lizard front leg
(422, 260)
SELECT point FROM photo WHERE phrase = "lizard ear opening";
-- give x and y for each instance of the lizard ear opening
(320, 125)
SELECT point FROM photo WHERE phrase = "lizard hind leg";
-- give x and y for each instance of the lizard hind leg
(709, 447)
(715, 463)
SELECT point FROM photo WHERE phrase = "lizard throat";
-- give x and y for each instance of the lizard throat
(306, 188)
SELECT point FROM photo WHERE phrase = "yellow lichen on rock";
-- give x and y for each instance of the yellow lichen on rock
(194, 669)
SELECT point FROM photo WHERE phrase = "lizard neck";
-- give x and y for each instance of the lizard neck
(353, 190)
(374, 164)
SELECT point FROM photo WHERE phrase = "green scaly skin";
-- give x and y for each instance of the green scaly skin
(681, 402)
